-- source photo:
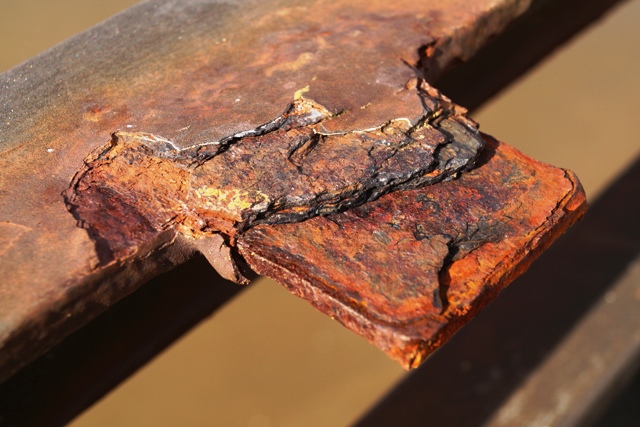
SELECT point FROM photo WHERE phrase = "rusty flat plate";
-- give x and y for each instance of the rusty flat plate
(178, 126)
(407, 270)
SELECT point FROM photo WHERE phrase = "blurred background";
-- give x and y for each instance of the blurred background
(269, 359)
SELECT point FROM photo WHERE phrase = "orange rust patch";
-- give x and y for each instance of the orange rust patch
(406, 271)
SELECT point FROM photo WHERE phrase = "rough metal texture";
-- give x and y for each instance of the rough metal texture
(288, 170)
(551, 350)
(407, 270)
(210, 76)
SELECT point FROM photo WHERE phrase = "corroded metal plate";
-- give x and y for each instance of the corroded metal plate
(407, 270)
(120, 150)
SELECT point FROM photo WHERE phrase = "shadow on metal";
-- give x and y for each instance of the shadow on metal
(87, 364)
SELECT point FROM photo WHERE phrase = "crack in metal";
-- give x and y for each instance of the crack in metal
(287, 170)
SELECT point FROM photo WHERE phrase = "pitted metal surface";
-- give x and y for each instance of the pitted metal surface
(165, 76)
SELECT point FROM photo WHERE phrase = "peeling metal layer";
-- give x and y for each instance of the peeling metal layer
(288, 170)
(407, 270)
(191, 72)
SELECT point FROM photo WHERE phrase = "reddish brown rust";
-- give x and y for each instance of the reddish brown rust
(407, 270)
(287, 170)
(191, 72)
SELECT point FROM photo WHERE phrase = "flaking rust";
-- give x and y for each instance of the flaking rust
(371, 195)
(204, 86)
(402, 231)
(407, 270)
(288, 170)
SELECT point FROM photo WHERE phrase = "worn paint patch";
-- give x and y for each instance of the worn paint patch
(302, 60)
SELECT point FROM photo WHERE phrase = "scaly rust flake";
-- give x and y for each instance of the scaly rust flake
(288, 170)
(406, 271)
(190, 71)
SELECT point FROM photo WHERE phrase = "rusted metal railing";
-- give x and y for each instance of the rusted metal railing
(302, 142)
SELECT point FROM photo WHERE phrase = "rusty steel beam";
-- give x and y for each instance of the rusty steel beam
(178, 128)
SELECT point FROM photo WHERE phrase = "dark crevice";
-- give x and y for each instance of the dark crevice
(437, 146)
(473, 236)
(444, 282)
(302, 148)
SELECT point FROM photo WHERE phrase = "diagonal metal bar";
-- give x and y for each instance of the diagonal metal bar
(90, 362)
(463, 85)
(156, 68)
